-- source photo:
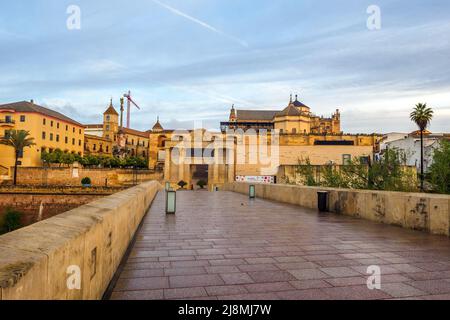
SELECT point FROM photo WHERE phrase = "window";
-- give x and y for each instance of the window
(73, 130)
(57, 125)
(57, 138)
(346, 159)
(294, 131)
(107, 127)
(8, 119)
(7, 134)
(108, 118)
(66, 140)
(107, 136)
(51, 123)
(22, 118)
(143, 154)
(51, 136)
(44, 121)
(73, 141)
(79, 131)
(43, 135)
(94, 147)
(79, 143)
(107, 148)
(20, 155)
(67, 128)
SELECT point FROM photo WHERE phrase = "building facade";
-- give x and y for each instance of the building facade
(50, 130)
(296, 118)
(293, 134)
(409, 147)
(114, 138)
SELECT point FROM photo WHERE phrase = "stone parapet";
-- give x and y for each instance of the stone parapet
(42, 261)
(417, 211)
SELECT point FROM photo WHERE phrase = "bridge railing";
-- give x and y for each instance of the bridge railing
(417, 211)
(73, 255)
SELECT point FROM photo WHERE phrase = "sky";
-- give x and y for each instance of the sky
(190, 60)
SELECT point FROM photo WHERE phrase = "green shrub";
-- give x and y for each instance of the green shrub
(12, 220)
(182, 184)
(201, 184)
(86, 181)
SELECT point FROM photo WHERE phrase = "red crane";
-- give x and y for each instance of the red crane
(129, 102)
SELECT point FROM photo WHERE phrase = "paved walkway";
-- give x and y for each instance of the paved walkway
(224, 246)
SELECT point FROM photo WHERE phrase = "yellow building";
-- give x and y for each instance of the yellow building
(51, 130)
(118, 140)
(95, 145)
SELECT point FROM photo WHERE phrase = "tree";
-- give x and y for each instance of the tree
(306, 170)
(201, 184)
(19, 140)
(440, 169)
(422, 116)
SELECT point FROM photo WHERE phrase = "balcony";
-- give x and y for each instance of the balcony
(7, 122)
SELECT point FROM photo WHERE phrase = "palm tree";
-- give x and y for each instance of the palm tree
(422, 116)
(18, 139)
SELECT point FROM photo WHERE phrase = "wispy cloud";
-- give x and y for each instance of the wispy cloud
(201, 23)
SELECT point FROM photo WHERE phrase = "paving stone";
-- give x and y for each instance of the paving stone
(271, 276)
(309, 284)
(269, 287)
(138, 295)
(142, 284)
(226, 290)
(310, 294)
(184, 293)
(286, 252)
(338, 272)
(401, 290)
(308, 274)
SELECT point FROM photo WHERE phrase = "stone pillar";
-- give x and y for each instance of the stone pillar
(167, 164)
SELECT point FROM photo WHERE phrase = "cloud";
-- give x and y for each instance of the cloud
(201, 23)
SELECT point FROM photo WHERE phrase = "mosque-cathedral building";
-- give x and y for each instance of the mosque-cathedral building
(296, 118)
(302, 135)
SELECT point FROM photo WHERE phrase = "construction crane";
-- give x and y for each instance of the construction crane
(129, 102)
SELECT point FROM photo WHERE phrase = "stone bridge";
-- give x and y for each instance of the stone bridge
(223, 245)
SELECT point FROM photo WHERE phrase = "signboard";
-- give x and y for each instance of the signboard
(256, 179)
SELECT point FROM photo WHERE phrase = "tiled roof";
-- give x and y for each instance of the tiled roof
(290, 111)
(111, 110)
(157, 126)
(258, 115)
(94, 126)
(135, 132)
(299, 104)
(25, 106)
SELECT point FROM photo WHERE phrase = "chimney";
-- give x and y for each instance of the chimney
(32, 101)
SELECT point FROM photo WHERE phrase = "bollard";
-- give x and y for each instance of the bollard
(252, 192)
(171, 202)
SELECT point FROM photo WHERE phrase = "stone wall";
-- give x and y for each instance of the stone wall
(55, 200)
(42, 260)
(72, 176)
(426, 212)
